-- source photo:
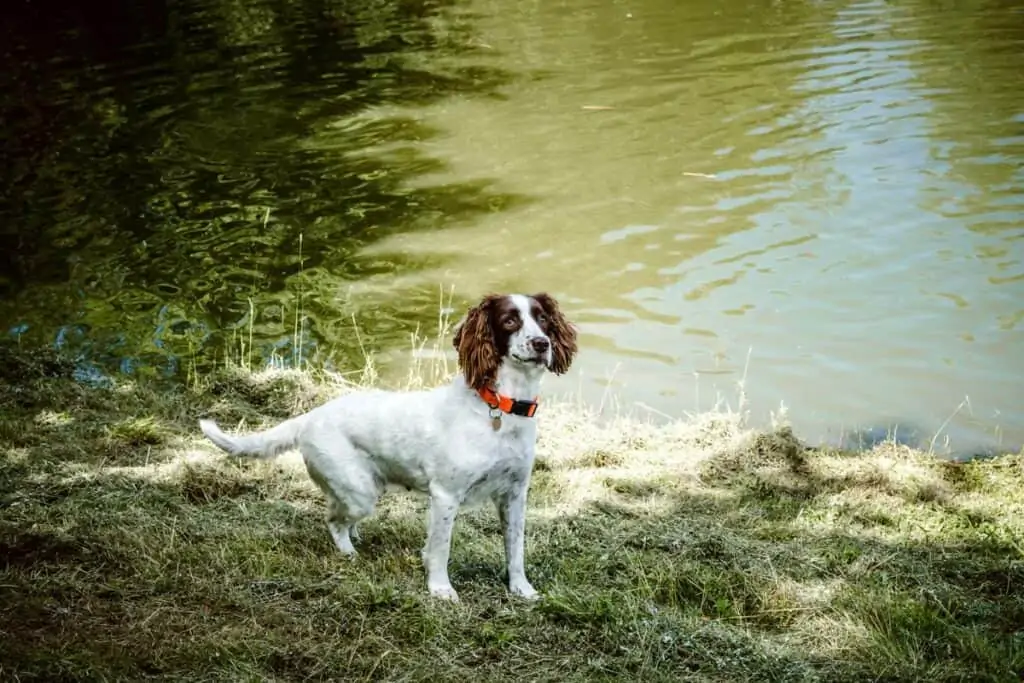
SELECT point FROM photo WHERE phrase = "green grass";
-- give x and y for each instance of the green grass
(130, 549)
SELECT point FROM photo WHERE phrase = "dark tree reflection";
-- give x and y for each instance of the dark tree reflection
(171, 167)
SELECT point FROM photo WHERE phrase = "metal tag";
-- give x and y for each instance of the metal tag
(495, 419)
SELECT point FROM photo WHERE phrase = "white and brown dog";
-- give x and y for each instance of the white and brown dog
(462, 443)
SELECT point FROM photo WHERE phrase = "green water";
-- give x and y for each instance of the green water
(825, 198)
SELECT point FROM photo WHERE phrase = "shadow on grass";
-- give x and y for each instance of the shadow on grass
(129, 551)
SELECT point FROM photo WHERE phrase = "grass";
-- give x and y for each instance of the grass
(694, 550)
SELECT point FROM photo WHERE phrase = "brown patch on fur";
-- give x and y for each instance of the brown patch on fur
(561, 332)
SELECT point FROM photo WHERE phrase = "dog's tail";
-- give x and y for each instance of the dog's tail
(263, 445)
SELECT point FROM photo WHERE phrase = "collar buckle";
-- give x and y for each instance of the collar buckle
(503, 404)
(522, 408)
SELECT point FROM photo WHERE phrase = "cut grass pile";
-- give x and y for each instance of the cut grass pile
(130, 549)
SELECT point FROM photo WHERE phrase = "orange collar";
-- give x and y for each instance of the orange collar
(506, 404)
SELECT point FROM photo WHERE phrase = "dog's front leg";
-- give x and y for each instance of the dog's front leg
(512, 513)
(441, 521)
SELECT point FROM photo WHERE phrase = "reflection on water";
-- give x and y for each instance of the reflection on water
(183, 171)
(825, 197)
(830, 191)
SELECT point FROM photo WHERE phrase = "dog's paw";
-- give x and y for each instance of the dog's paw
(524, 590)
(346, 549)
(444, 593)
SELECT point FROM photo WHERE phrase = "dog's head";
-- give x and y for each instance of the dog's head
(527, 331)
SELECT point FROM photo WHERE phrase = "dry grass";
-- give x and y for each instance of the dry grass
(696, 550)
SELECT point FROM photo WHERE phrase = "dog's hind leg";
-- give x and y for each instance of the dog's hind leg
(340, 526)
(351, 492)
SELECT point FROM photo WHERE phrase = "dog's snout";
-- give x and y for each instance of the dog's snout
(540, 344)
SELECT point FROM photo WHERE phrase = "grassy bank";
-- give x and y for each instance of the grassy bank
(697, 550)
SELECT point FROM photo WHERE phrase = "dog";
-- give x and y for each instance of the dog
(461, 443)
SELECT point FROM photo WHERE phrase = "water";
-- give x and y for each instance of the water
(823, 198)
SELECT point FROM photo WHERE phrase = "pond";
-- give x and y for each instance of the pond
(823, 199)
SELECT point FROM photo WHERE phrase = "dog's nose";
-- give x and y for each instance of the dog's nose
(540, 344)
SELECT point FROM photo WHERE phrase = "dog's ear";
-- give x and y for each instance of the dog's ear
(561, 332)
(474, 340)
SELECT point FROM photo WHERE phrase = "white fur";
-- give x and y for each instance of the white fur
(439, 442)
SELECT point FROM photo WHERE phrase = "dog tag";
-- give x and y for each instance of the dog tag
(495, 419)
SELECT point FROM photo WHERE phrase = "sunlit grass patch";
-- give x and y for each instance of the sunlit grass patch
(694, 549)
(137, 431)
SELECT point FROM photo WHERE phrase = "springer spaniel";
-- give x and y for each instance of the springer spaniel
(460, 443)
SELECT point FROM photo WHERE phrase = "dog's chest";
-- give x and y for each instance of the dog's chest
(508, 462)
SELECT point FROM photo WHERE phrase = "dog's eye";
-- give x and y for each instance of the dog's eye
(510, 323)
(542, 319)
